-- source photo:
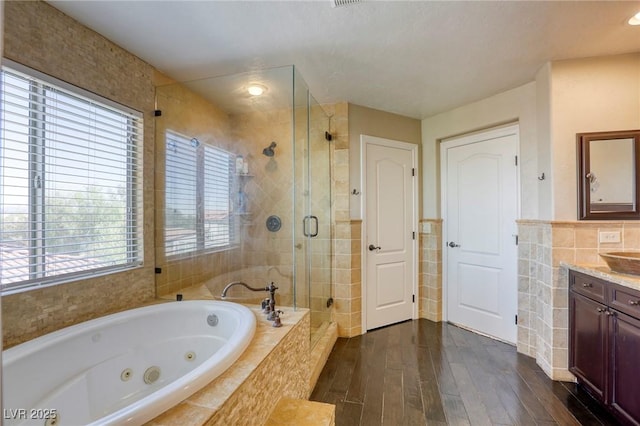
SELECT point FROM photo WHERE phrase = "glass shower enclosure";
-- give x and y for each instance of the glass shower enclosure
(256, 144)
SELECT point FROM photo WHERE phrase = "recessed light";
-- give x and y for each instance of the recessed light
(635, 19)
(256, 89)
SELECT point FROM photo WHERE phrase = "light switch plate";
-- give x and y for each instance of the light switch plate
(426, 228)
(609, 236)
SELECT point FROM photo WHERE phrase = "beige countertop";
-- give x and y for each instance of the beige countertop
(603, 272)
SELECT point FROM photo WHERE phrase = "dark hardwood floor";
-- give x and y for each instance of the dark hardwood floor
(421, 372)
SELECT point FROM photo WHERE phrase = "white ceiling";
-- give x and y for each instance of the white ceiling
(414, 58)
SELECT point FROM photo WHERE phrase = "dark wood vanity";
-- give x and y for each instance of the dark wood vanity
(604, 345)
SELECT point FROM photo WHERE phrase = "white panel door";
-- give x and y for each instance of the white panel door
(480, 199)
(389, 245)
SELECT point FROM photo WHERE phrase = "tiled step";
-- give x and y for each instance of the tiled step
(300, 412)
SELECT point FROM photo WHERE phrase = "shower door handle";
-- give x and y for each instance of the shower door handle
(305, 226)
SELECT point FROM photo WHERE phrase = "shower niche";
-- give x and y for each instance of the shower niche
(261, 156)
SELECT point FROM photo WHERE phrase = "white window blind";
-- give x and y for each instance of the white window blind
(70, 183)
(198, 187)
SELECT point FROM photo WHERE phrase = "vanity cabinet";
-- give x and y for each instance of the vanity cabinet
(604, 346)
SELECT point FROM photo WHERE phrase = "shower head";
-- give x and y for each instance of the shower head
(268, 151)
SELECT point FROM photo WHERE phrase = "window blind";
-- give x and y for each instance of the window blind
(198, 189)
(70, 179)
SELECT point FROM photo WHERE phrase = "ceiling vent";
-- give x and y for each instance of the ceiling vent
(338, 3)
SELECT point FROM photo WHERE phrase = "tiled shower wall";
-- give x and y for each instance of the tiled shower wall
(347, 292)
(543, 316)
(186, 113)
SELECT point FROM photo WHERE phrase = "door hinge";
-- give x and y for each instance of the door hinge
(516, 320)
(516, 160)
(413, 235)
(413, 299)
(413, 172)
(517, 239)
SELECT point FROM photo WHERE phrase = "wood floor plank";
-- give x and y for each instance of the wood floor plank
(358, 383)
(489, 395)
(421, 372)
(484, 370)
(375, 367)
(454, 410)
(347, 413)
(432, 402)
(473, 403)
(393, 404)
(600, 414)
(412, 396)
(511, 402)
(543, 391)
(350, 414)
(526, 395)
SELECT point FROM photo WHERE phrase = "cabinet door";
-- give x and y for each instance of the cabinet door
(588, 346)
(625, 368)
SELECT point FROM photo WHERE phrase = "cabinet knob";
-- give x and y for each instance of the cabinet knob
(587, 285)
(634, 302)
(601, 310)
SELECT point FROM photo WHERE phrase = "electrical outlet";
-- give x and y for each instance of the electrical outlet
(609, 236)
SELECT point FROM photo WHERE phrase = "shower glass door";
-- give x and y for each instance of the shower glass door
(313, 247)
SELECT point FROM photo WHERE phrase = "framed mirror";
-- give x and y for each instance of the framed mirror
(608, 177)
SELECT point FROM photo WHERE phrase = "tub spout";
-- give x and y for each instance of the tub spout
(271, 288)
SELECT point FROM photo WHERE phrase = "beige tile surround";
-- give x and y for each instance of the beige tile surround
(275, 365)
(295, 412)
(542, 282)
(430, 270)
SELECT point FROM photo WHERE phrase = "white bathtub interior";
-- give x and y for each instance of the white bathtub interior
(125, 368)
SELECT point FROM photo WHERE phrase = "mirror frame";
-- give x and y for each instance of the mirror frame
(584, 167)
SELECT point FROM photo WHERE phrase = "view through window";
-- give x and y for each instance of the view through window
(198, 192)
(70, 198)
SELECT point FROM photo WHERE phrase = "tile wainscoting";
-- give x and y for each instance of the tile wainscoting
(543, 315)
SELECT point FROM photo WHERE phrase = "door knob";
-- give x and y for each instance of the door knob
(452, 244)
(372, 247)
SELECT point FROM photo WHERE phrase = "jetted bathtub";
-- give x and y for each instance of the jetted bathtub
(124, 368)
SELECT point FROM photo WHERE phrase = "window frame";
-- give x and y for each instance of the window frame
(133, 245)
(200, 165)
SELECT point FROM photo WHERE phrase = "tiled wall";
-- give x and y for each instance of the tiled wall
(188, 114)
(39, 36)
(430, 270)
(543, 316)
(534, 291)
(347, 291)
